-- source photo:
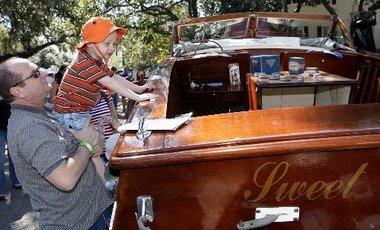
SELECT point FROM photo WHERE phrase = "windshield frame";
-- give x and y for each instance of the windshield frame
(251, 30)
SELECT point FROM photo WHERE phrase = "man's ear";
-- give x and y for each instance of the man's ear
(17, 92)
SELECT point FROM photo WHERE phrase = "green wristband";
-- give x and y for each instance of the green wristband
(88, 146)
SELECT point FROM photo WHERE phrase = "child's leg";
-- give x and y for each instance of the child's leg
(100, 168)
(75, 121)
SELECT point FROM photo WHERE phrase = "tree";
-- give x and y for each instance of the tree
(33, 26)
(233, 6)
(300, 3)
(51, 56)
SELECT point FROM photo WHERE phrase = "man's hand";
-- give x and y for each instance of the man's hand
(92, 136)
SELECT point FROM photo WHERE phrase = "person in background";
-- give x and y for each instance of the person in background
(104, 116)
(127, 73)
(52, 162)
(115, 96)
(140, 76)
(5, 112)
(51, 81)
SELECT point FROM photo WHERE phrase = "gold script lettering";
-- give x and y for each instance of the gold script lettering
(352, 181)
(281, 192)
(268, 183)
(315, 188)
(330, 189)
(299, 188)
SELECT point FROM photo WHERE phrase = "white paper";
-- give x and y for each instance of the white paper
(157, 124)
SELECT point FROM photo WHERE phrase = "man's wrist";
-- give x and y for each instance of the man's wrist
(88, 146)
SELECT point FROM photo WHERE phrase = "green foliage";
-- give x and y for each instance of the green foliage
(51, 56)
(31, 23)
(5, 44)
(233, 6)
(145, 51)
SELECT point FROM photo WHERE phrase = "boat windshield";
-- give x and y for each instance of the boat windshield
(245, 31)
(260, 25)
(302, 28)
(230, 28)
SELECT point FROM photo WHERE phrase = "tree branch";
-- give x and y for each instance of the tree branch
(153, 28)
(192, 8)
(30, 52)
(285, 6)
(159, 10)
(329, 8)
(299, 6)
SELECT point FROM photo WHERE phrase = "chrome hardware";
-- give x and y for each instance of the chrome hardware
(267, 216)
(142, 134)
(206, 41)
(144, 212)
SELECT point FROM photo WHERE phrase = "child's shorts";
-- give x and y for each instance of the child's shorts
(75, 121)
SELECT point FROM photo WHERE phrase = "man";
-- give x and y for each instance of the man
(52, 162)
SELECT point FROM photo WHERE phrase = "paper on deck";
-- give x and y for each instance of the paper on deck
(170, 124)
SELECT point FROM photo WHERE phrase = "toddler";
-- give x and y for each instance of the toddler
(88, 75)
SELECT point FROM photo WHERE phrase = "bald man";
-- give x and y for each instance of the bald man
(52, 162)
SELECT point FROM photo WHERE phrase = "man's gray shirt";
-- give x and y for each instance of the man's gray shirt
(37, 145)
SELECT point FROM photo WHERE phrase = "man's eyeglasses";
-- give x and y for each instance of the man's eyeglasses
(36, 74)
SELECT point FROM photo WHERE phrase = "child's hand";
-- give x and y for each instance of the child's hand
(115, 123)
(148, 86)
(147, 96)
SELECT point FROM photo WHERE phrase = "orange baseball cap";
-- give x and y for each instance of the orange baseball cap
(97, 29)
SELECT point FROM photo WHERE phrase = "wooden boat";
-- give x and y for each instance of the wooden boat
(244, 157)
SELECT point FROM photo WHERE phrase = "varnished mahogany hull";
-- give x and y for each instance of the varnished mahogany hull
(215, 194)
(210, 173)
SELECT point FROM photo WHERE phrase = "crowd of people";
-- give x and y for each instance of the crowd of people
(59, 157)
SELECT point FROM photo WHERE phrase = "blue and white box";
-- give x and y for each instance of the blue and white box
(296, 65)
(255, 64)
(265, 64)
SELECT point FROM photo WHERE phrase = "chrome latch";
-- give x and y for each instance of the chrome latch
(267, 216)
(142, 134)
(144, 212)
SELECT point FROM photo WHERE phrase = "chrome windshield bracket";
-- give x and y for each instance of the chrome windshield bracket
(142, 134)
